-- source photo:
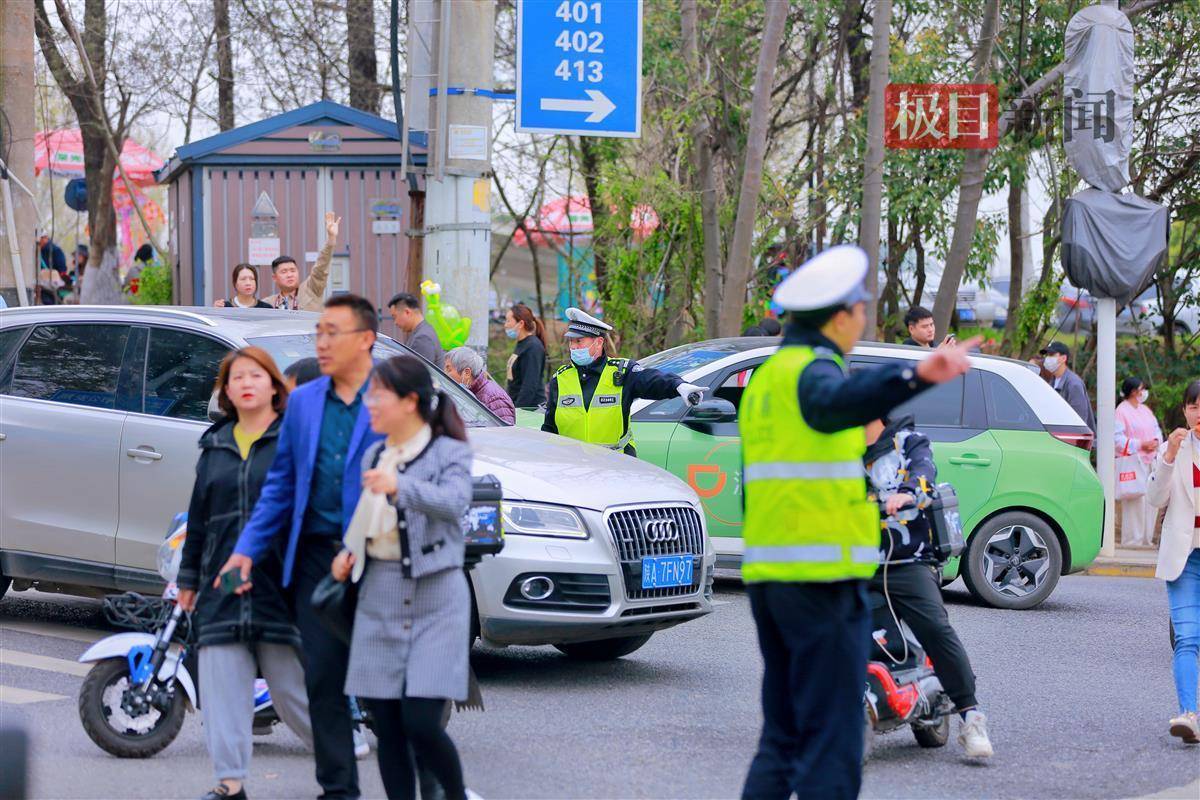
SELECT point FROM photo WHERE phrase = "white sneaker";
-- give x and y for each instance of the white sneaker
(473, 795)
(362, 748)
(973, 735)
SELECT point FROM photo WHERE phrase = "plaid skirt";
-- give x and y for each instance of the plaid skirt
(410, 636)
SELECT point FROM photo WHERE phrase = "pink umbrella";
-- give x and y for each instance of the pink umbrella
(572, 216)
(61, 152)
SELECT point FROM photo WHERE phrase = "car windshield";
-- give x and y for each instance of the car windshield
(286, 349)
(685, 358)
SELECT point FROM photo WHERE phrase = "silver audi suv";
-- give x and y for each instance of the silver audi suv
(101, 409)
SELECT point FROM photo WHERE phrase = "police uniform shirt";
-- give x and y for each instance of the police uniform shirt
(641, 383)
(832, 401)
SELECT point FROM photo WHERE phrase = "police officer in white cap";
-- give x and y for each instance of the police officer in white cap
(811, 535)
(589, 399)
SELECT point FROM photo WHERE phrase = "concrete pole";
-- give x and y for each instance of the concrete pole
(1106, 391)
(458, 187)
(16, 98)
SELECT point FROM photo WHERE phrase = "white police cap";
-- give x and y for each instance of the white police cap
(580, 324)
(831, 278)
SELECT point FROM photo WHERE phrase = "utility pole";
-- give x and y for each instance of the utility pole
(18, 216)
(422, 26)
(457, 246)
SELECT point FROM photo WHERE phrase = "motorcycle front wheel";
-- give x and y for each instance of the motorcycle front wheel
(112, 729)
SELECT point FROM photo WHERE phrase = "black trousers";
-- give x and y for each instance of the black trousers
(415, 722)
(325, 661)
(814, 639)
(916, 596)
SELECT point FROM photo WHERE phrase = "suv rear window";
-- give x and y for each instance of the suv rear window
(1006, 409)
(77, 364)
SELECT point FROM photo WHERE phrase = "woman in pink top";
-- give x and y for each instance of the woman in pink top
(1137, 516)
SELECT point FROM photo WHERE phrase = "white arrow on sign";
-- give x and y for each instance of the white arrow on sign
(597, 108)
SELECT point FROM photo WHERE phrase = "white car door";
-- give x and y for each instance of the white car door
(159, 442)
(60, 421)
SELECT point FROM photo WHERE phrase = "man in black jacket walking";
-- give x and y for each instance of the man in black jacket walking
(901, 473)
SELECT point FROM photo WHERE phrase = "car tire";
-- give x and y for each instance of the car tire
(4, 584)
(603, 649)
(1013, 561)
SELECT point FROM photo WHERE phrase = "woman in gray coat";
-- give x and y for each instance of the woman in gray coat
(409, 648)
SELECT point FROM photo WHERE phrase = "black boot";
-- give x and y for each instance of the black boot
(221, 792)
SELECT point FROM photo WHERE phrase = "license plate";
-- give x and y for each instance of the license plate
(663, 572)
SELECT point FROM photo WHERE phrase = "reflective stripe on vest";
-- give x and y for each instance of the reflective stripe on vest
(603, 422)
(810, 552)
(804, 471)
(807, 513)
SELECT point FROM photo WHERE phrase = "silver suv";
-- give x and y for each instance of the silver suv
(101, 409)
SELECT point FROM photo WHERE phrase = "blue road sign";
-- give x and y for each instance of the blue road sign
(579, 67)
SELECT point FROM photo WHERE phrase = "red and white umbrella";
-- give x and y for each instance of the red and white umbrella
(572, 216)
(61, 152)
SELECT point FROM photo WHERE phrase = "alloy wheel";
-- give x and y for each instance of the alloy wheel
(1016, 560)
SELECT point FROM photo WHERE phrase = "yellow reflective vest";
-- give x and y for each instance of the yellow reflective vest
(603, 422)
(807, 514)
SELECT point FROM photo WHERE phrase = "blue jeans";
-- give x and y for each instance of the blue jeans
(1183, 595)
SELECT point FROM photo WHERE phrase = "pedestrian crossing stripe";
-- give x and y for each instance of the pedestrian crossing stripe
(15, 658)
(11, 694)
(85, 635)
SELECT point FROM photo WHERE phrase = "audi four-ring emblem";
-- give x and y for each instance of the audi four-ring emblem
(659, 530)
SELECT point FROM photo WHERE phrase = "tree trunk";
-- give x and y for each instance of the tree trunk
(970, 186)
(737, 270)
(589, 165)
(873, 168)
(98, 164)
(704, 179)
(224, 65)
(1016, 248)
(360, 45)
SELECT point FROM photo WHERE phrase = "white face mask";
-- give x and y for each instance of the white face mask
(1052, 363)
(1143, 395)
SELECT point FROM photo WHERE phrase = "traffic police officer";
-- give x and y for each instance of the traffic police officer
(812, 537)
(589, 399)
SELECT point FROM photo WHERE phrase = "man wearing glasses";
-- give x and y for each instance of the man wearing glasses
(310, 492)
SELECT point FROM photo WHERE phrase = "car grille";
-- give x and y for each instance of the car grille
(629, 532)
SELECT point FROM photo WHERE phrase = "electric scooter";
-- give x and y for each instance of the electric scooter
(902, 689)
(133, 701)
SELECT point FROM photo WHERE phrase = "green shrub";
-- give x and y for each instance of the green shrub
(154, 286)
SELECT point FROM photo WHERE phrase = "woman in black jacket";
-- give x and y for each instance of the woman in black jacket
(527, 364)
(239, 634)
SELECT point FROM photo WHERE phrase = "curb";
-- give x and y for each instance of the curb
(1121, 570)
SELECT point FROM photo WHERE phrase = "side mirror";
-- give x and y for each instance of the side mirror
(215, 414)
(714, 410)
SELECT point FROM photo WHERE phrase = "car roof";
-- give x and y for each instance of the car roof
(242, 322)
(1022, 376)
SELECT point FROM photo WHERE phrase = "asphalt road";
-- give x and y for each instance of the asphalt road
(1078, 693)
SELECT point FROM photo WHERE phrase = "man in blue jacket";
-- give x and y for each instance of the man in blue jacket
(310, 492)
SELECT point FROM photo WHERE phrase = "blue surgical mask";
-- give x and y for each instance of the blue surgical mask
(510, 333)
(582, 356)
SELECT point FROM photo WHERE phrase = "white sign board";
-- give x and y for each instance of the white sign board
(468, 141)
(261, 252)
(382, 226)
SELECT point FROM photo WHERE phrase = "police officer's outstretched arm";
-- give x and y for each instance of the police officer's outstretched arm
(832, 401)
(646, 383)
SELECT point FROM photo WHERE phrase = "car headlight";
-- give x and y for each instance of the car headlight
(538, 520)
